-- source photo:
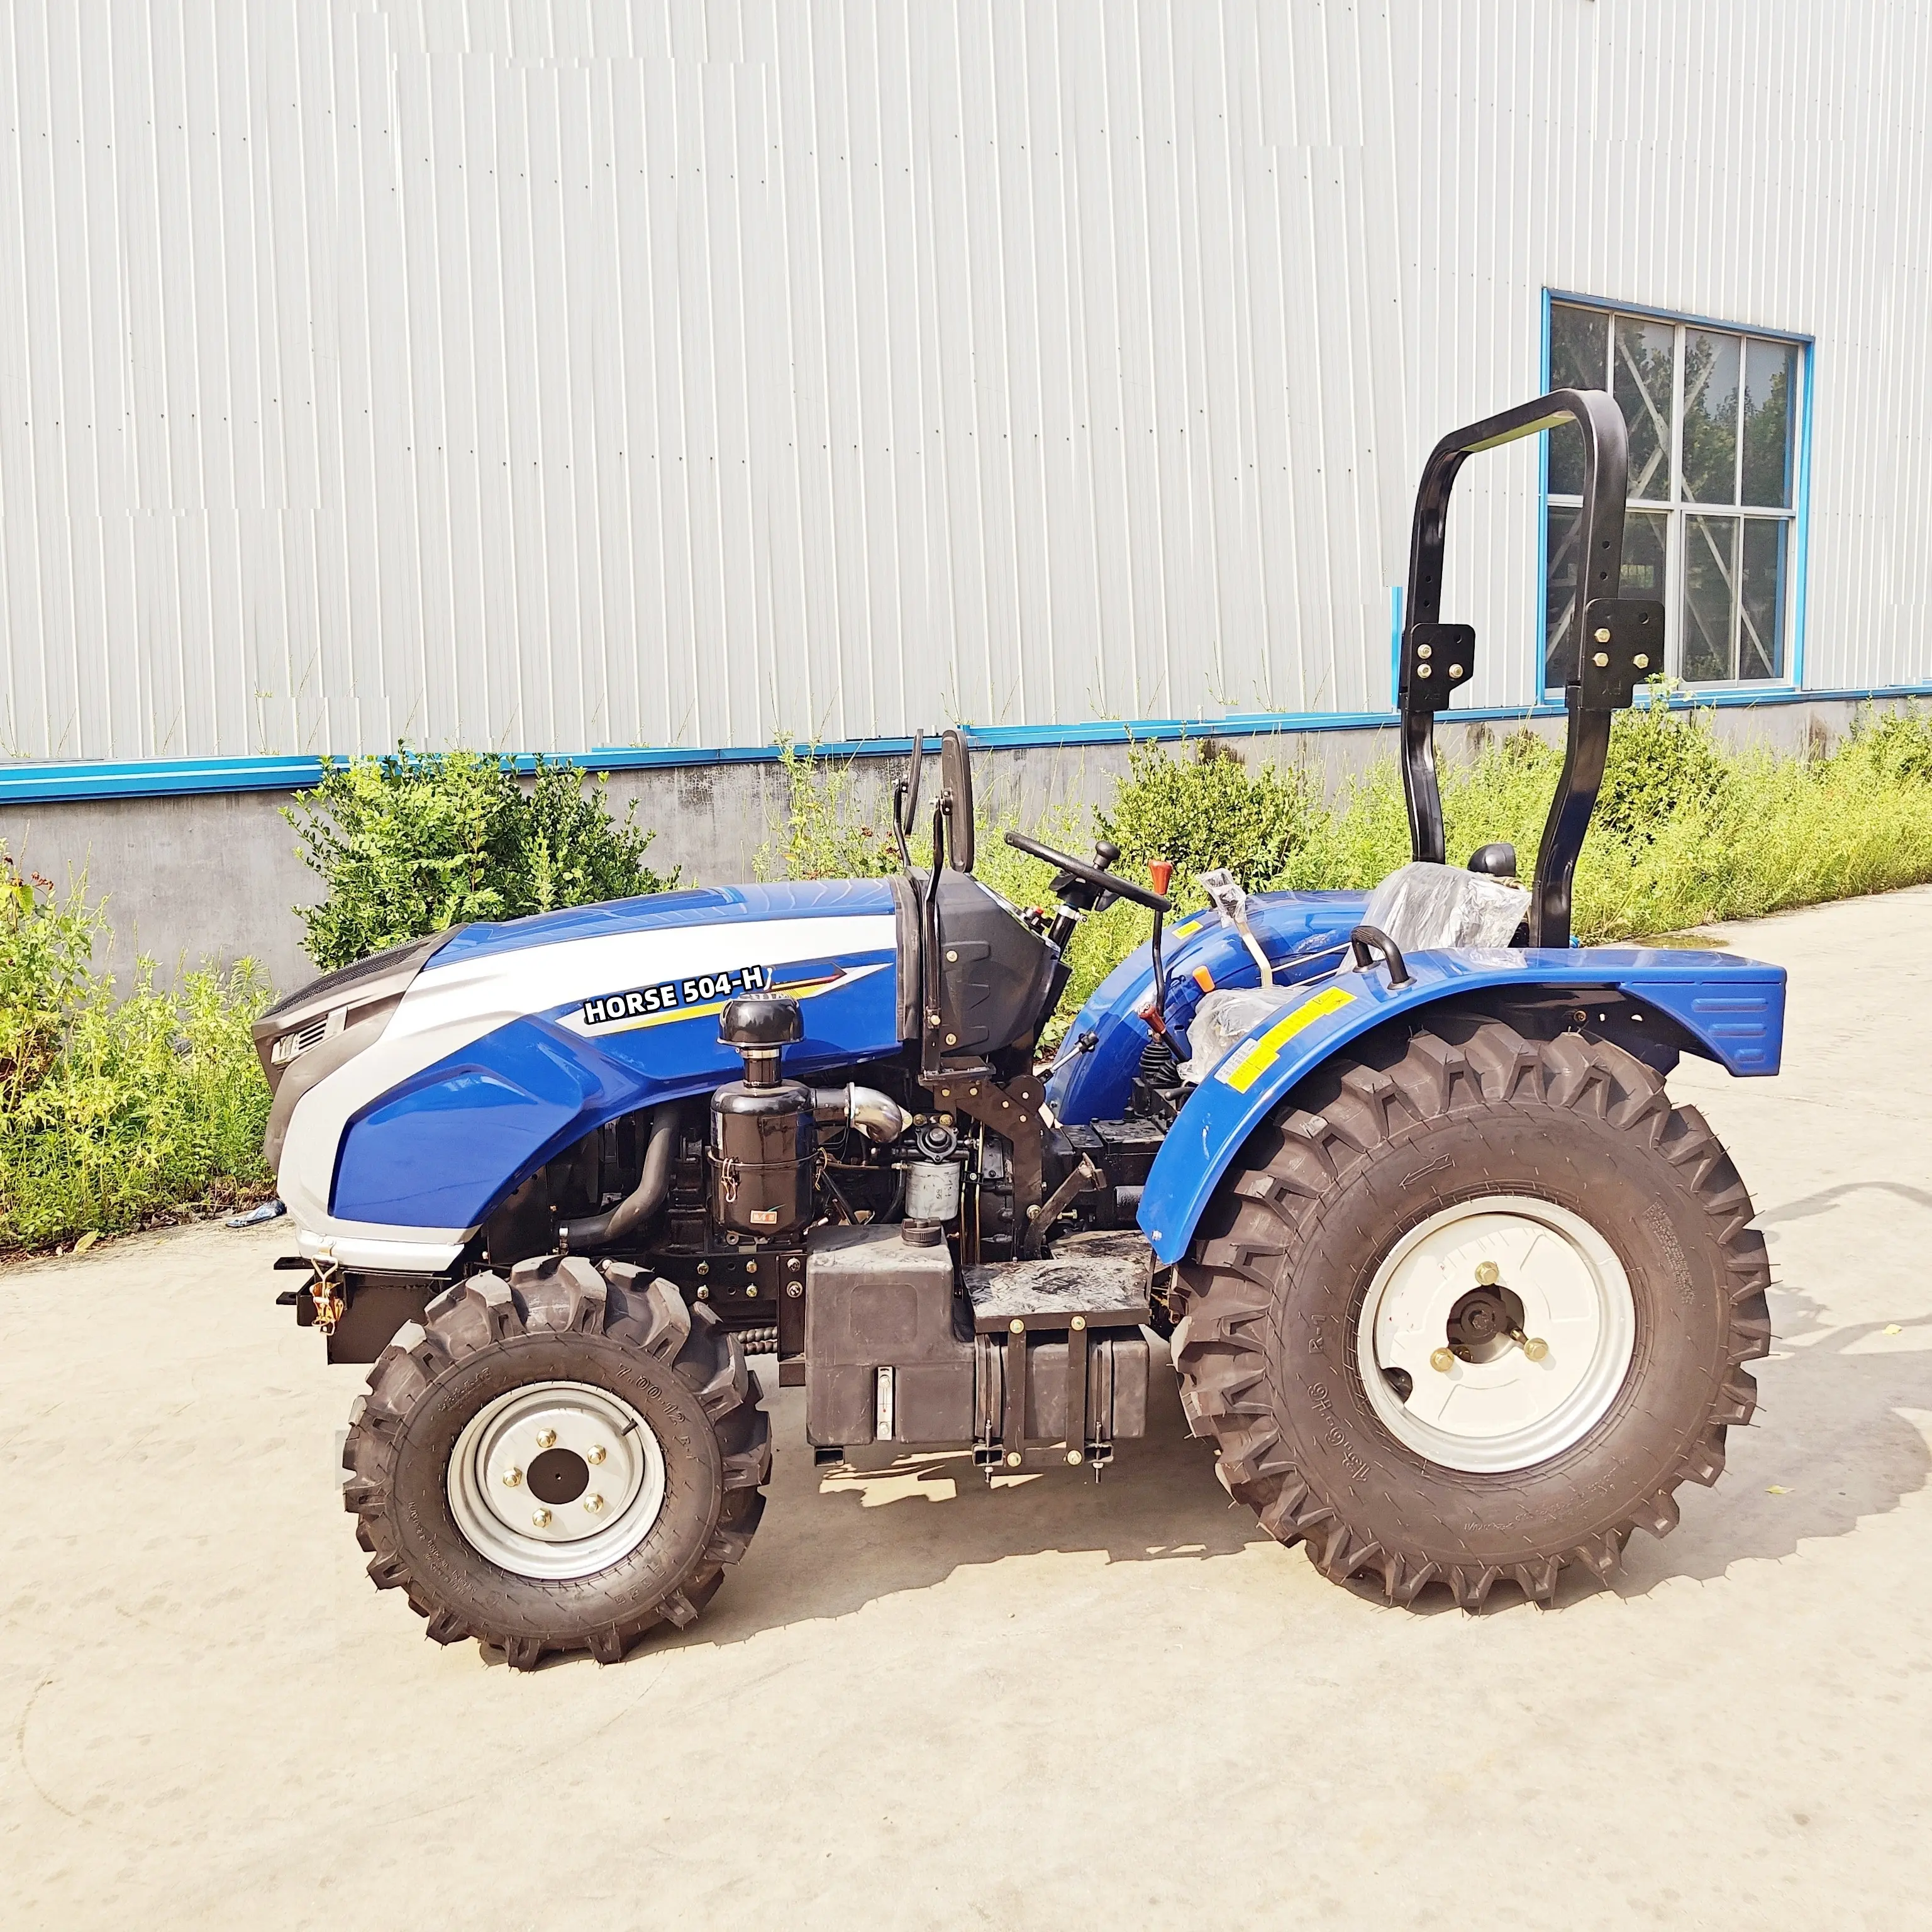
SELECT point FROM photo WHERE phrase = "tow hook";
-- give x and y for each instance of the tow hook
(325, 1291)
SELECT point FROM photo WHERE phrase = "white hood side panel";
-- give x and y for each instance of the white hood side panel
(448, 1007)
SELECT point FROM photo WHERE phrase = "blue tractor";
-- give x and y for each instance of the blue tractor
(1454, 1291)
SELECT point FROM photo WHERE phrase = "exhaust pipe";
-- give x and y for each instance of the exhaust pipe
(635, 1210)
(876, 1117)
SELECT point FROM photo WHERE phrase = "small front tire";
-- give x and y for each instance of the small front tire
(557, 1462)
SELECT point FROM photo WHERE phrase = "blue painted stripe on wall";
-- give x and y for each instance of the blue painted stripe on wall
(50, 785)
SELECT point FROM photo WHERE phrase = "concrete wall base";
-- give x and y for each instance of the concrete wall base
(217, 878)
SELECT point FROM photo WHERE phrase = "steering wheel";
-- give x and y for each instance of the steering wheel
(1092, 875)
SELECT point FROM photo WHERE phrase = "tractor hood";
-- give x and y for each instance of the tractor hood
(452, 1073)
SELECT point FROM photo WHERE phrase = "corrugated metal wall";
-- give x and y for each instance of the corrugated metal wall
(551, 373)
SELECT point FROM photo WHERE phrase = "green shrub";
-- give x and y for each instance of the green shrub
(112, 1112)
(1663, 763)
(1897, 746)
(415, 842)
(46, 945)
(1209, 810)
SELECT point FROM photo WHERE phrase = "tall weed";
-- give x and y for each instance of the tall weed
(113, 1111)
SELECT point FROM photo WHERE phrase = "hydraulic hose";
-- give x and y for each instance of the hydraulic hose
(635, 1211)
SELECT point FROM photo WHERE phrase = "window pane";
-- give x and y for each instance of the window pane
(1710, 574)
(1770, 397)
(1562, 533)
(1761, 611)
(1644, 532)
(1711, 364)
(1646, 357)
(1579, 359)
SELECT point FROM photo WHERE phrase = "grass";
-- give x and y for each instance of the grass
(116, 1113)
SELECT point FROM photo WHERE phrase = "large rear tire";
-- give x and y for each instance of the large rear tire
(1472, 1307)
(557, 1462)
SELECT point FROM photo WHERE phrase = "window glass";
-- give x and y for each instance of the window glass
(1646, 536)
(1770, 400)
(1710, 601)
(1579, 359)
(1711, 366)
(1559, 592)
(1644, 382)
(1712, 418)
(1761, 598)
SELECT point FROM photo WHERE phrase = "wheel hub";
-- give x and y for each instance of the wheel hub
(1496, 1334)
(555, 1480)
(558, 1476)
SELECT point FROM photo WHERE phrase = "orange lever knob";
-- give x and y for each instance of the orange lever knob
(1160, 870)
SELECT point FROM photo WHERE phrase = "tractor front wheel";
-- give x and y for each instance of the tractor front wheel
(558, 1462)
(1473, 1308)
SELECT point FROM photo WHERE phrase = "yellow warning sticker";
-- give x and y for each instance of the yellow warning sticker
(1246, 1064)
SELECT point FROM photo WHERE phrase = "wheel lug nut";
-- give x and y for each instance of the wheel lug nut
(596, 1453)
(546, 1438)
(593, 1502)
(1443, 1360)
(1486, 1274)
(512, 1476)
(540, 1519)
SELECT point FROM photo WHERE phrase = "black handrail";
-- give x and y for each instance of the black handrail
(1614, 642)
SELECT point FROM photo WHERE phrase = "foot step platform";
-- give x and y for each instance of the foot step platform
(1104, 1277)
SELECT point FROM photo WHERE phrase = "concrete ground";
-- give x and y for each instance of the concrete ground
(917, 1704)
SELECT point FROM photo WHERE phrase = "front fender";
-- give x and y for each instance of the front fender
(1729, 1010)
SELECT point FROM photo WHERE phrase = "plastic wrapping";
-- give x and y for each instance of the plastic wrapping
(1422, 908)
(1224, 1018)
(1226, 894)
(1430, 908)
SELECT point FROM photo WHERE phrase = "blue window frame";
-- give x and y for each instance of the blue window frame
(1715, 529)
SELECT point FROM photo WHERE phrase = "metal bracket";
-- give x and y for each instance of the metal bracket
(1623, 645)
(1084, 1179)
(1437, 659)
(1076, 1387)
(1012, 1111)
(1013, 1434)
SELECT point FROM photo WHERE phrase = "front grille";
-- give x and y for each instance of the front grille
(317, 1030)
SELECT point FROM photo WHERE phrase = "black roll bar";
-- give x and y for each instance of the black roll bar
(1615, 643)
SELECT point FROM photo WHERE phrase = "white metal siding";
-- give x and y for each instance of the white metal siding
(550, 374)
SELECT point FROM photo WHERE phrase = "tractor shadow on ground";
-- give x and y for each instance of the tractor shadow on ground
(1831, 1443)
(1831, 1437)
(831, 1541)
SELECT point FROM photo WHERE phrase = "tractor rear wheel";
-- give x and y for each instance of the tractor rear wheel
(558, 1462)
(1473, 1307)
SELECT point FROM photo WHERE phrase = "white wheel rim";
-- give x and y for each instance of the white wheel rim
(1508, 1411)
(555, 1480)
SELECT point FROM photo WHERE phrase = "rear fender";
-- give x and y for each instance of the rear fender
(1725, 1009)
